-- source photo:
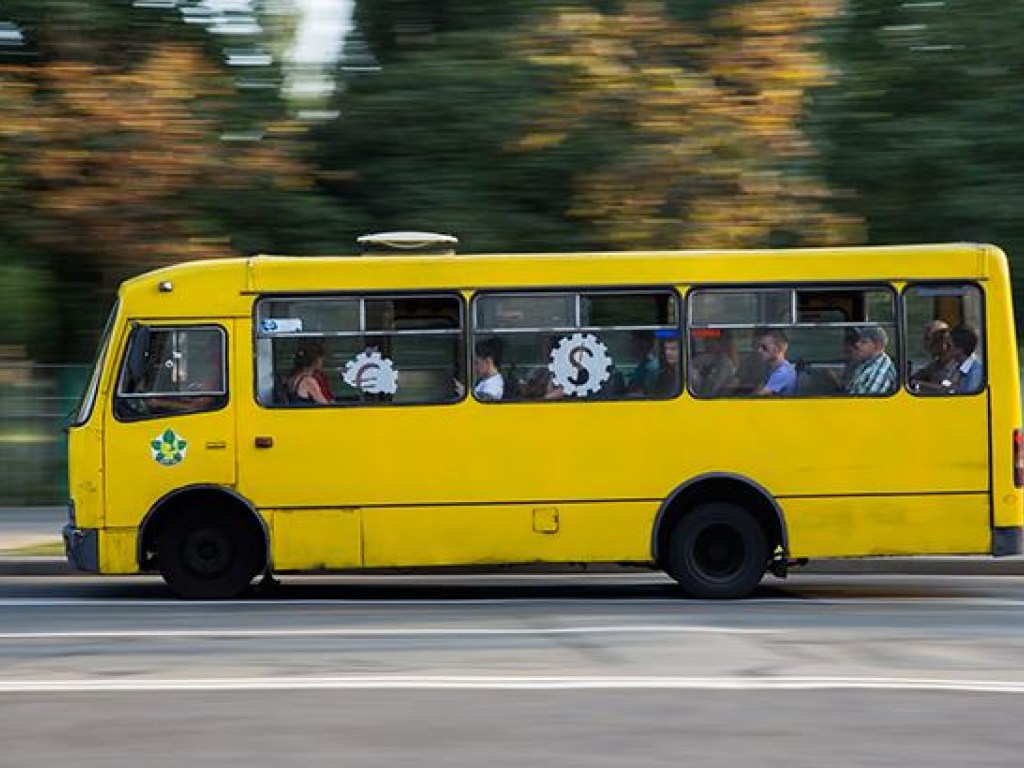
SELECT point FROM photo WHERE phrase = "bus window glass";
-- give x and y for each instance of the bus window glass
(944, 330)
(724, 308)
(526, 311)
(170, 371)
(359, 351)
(842, 343)
(576, 345)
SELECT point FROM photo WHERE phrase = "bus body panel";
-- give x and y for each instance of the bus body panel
(887, 525)
(1004, 378)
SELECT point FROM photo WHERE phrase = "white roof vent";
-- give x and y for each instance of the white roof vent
(407, 242)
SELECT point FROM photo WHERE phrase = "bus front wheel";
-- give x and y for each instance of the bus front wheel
(718, 551)
(208, 556)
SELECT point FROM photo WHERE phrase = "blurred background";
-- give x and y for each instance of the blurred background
(137, 134)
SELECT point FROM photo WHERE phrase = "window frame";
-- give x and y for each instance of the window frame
(224, 393)
(982, 333)
(794, 288)
(361, 297)
(672, 291)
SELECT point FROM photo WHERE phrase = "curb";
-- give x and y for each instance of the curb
(35, 566)
(916, 566)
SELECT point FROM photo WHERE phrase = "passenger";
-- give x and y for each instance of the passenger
(490, 383)
(875, 373)
(751, 369)
(540, 384)
(667, 383)
(644, 377)
(303, 384)
(850, 361)
(715, 371)
(772, 345)
(936, 377)
(969, 375)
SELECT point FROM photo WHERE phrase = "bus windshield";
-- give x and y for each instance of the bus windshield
(84, 409)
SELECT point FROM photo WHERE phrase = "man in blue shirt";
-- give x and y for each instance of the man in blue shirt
(969, 376)
(771, 346)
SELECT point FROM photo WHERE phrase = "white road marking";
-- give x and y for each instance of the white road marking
(491, 683)
(380, 632)
(807, 601)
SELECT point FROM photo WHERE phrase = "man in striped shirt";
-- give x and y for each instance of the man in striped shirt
(875, 373)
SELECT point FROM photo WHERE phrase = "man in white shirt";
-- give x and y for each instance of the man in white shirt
(490, 383)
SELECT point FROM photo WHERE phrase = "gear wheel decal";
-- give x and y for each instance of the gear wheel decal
(580, 364)
(369, 372)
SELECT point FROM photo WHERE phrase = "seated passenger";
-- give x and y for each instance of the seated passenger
(936, 377)
(540, 383)
(490, 383)
(715, 371)
(969, 375)
(303, 385)
(644, 377)
(875, 373)
(772, 345)
(667, 383)
(841, 380)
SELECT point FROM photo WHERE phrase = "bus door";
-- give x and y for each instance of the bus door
(171, 423)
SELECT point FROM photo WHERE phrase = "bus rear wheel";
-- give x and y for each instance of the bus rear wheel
(718, 551)
(206, 556)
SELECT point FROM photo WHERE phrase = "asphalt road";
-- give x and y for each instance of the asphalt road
(567, 670)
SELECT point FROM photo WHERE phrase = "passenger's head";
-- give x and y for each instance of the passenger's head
(964, 340)
(937, 339)
(669, 346)
(488, 356)
(309, 355)
(871, 341)
(771, 344)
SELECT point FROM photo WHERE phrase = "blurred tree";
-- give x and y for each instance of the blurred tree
(434, 98)
(115, 165)
(713, 154)
(924, 121)
(598, 124)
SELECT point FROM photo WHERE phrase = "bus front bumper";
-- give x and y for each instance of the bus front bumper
(82, 548)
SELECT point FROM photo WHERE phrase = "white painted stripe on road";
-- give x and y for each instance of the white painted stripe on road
(806, 600)
(380, 632)
(488, 683)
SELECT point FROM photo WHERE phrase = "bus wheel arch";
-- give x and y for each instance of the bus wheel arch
(218, 521)
(717, 505)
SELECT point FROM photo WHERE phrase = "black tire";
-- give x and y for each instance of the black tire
(718, 551)
(209, 556)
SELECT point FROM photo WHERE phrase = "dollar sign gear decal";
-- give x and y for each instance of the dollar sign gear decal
(580, 364)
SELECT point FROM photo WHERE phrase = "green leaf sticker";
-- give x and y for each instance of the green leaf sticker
(169, 449)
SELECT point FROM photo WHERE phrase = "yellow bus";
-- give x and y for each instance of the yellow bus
(717, 415)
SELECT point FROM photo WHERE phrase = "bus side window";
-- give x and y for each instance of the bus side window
(945, 328)
(835, 341)
(172, 371)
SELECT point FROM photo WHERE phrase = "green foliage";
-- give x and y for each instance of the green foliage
(923, 123)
